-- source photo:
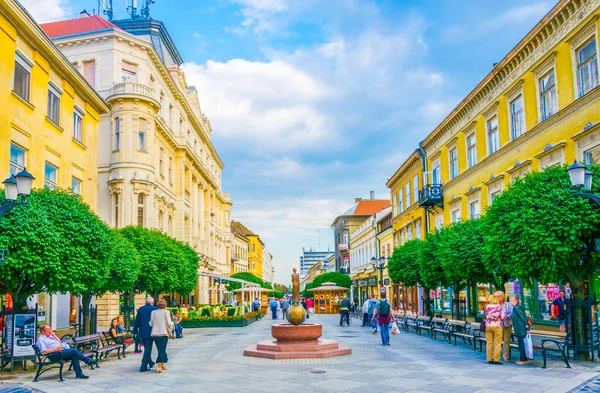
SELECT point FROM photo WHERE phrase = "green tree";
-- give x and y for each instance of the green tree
(403, 264)
(539, 229)
(340, 279)
(246, 277)
(55, 243)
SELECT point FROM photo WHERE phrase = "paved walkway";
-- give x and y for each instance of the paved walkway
(210, 360)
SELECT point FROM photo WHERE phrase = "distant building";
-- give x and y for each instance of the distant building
(309, 258)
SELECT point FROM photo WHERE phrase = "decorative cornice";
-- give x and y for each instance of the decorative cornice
(494, 178)
(405, 167)
(550, 148)
(473, 190)
(518, 165)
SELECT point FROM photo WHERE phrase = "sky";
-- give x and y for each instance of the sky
(316, 102)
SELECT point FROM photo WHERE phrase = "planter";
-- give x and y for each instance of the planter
(219, 323)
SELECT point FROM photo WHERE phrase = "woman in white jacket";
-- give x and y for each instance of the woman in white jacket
(160, 320)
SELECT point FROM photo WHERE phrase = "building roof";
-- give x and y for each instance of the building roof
(239, 228)
(84, 24)
(367, 207)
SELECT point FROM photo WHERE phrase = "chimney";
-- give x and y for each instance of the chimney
(84, 14)
(356, 200)
(372, 195)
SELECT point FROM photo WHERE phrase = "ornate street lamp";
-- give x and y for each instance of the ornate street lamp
(16, 190)
(577, 174)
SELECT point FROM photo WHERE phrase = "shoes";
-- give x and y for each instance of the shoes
(159, 369)
(387, 344)
(93, 362)
(82, 376)
(151, 364)
(490, 362)
(136, 352)
(374, 331)
(521, 363)
(144, 369)
(164, 366)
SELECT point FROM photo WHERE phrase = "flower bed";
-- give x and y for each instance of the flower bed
(222, 321)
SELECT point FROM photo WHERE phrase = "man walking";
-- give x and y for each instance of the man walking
(559, 310)
(273, 305)
(144, 331)
(285, 304)
(373, 304)
(384, 316)
(345, 312)
(365, 310)
(49, 344)
(507, 309)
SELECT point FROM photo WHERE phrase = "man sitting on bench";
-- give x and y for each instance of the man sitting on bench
(50, 345)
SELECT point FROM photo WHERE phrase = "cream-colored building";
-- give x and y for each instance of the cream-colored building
(240, 247)
(157, 166)
(268, 272)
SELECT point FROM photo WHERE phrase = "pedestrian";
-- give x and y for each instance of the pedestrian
(310, 303)
(521, 325)
(373, 304)
(279, 309)
(493, 330)
(384, 315)
(507, 309)
(177, 324)
(144, 332)
(284, 306)
(305, 305)
(365, 310)
(273, 305)
(345, 312)
(160, 321)
(50, 345)
(255, 305)
(559, 310)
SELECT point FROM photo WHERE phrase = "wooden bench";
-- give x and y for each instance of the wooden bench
(44, 362)
(93, 345)
(435, 323)
(449, 327)
(423, 323)
(466, 333)
(111, 340)
(555, 342)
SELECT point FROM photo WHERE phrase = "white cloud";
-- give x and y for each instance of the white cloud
(528, 13)
(47, 10)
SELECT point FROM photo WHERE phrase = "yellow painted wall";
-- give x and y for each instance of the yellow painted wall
(26, 124)
(255, 256)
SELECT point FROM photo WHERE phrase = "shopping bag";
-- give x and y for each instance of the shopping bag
(373, 324)
(528, 346)
(395, 330)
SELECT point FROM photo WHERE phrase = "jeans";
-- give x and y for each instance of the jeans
(178, 330)
(283, 313)
(370, 319)
(147, 357)
(522, 354)
(385, 333)
(274, 312)
(74, 356)
(161, 345)
(366, 319)
(345, 316)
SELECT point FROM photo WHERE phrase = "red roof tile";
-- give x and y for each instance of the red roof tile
(371, 206)
(77, 25)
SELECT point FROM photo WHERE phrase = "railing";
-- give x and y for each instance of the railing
(133, 88)
(431, 194)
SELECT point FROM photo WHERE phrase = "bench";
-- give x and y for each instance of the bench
(111, 340)
(465, 333)
(423, 323)
(44, 362)
(448, 329)
(555, 342)
(434, 323)
(93, 345)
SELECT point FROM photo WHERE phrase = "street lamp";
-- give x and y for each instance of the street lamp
(16, 190)
(577, 174)
(379, 266)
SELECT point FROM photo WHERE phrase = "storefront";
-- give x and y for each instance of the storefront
(328, 298)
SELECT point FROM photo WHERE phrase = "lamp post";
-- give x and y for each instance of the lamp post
(379, 267)
(16, 190)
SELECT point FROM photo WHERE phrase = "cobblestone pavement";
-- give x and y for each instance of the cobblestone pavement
(211, 360)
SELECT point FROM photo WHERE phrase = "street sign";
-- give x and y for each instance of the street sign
(382, 289)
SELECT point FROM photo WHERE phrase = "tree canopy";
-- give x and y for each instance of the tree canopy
(246, 276)
(340, 279)
(403, 266)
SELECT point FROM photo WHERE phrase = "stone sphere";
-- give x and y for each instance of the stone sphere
(296, 315)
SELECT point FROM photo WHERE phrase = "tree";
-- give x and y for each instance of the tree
(340, 279)
(403, 266)
(55, 244)
(233, 285)
(539, 229)
(166, 264)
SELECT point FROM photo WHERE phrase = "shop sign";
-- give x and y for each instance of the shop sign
(343, 246)
(386, 281)
(372, 281)
(346, 258)
(362, 283)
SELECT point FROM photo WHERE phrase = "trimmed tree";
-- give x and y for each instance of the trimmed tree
(403, 266)
(539, 229)
(233, 285)
(55, 243)
(340, 279)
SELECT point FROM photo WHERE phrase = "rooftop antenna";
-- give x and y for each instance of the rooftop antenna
(145, 11)
(131, 6)
(107, 8)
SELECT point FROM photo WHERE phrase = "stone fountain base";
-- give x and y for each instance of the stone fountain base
(297, 342)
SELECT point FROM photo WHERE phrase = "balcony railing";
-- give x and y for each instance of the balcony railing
(431, 195)
(126, 88)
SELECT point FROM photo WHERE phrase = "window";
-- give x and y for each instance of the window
(78, 125)
(453, 163)
(116, 210)
(396, 240)
(54, 103)
(160, 220)
(471, 150)
(142, 135)
(455, 216)
(345, 236)
(161, 109)
(416, 187)
(517, 118)
(160, 162)
(436, 177)
(590, 157)
(395, 205)
(140, 210)
(117, 133)
(409, 233)
(587, 67)
(76, 185)
(17, 159)
(418, 230)
(170, 170)
(128, 72)
(89, 72)
(493, 138)
(493, 196)
(407, 191)
(170, 227)
(474, 209)
(400, 201)
(402, 238)
(22, 77)
(50, 176)
(548, 100)
(171, 119)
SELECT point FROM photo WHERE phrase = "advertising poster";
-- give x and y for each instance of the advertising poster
(24, 334)
(7, 334)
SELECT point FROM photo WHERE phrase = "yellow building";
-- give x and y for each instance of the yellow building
(384, 233)
(255, 248)
(49, 118)
(537, 108)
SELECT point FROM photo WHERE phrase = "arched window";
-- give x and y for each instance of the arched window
(161, 221)
(116, 210)
(170, 225)
(141, 200)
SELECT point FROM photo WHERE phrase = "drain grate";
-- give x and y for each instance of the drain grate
(318, 371)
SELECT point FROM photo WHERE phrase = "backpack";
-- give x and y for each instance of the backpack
(384, 308)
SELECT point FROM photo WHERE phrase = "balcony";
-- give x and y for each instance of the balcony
(431, 196)
(132, 89)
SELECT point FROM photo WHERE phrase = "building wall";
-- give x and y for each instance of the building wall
(255, 256)
(239, 254)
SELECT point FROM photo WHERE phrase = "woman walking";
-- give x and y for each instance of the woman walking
(160, 320)
(521, 326)
(493, 330)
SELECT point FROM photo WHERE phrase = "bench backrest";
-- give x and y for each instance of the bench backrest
(438, 321)
(424, 320)
(84, 339)
(38, 353)
(454, 322)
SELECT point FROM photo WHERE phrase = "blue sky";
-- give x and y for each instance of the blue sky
(316, 102)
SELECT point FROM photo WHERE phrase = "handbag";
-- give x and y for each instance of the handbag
(482, 324)
(169, 326)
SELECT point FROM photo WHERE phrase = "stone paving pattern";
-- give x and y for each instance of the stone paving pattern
(210, 360)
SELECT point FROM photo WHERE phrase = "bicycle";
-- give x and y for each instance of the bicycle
(77, 332)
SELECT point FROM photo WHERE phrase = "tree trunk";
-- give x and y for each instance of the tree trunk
(457, 303)
(579, 316)
(155, 295)
(426, 302)
(19, 300)
(85, 304)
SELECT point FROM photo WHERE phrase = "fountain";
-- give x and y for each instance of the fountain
(296, 339)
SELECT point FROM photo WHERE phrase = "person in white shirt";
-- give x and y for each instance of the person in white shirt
(365, 310)
(50, 345)
(160, 321)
